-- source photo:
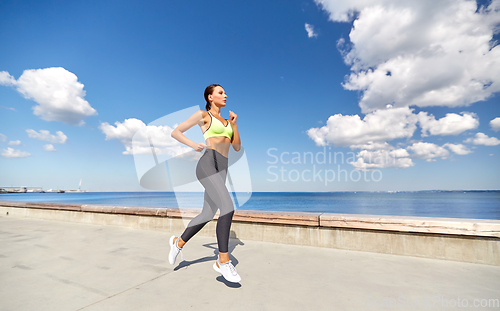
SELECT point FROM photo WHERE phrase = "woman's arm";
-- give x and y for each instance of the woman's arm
(177, 133)
(235, 141)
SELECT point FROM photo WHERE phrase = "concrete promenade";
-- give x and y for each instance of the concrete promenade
(56, 265)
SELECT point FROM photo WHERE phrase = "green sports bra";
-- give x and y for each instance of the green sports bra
(218, 129)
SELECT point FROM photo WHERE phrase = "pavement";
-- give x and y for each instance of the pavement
(55, 265)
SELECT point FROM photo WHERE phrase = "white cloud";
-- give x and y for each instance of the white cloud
(3, 137)
(458, 148)
(122, 131)
(405, 53)
(9, 108)
(310, 31)
(428, 151)
(371, 134)
(495, 124)
(382, 125)
(423, 53)
(11, 153)
(45, 135)
(376, 127)
(383, 155)
(6, 79)
(59, 95)
(483, 139)
(451, 124)
(373, 146)
(381, 159)
(49, 147)
(14, 143)
(159, 136)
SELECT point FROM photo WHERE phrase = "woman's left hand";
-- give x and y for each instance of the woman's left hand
(232, 117)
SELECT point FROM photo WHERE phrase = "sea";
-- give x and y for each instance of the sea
(449, 204)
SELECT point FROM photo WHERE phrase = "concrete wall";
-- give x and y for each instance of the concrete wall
(466, 240)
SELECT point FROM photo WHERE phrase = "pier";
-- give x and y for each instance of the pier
(21, 189)
(36, 190)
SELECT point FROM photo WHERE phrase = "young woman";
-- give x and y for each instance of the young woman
(220, 134)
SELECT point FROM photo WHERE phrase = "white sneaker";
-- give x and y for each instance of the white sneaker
(228, 271)
(174, 250)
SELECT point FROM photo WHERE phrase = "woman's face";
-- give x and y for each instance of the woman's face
(218, 97)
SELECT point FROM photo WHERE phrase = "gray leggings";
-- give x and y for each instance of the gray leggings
(211, 171)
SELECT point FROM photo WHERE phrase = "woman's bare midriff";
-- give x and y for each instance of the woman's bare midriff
(220, 144)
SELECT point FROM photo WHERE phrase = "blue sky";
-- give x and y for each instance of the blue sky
(411, 107)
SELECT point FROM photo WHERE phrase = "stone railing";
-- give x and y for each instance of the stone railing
(467, 240)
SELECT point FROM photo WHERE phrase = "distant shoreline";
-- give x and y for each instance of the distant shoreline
(483, 204)
(351, 191)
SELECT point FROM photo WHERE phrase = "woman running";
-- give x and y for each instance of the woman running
(211, 171)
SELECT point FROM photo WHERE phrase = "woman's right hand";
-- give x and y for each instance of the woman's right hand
(199, 147)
